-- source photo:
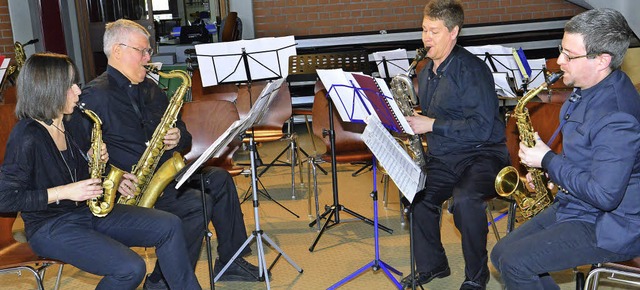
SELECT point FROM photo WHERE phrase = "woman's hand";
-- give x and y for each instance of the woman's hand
(77, 191)
(104, 154)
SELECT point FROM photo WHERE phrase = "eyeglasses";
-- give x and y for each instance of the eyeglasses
(569, 58)
(143, 51)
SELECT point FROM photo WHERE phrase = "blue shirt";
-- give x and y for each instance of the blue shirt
(599, 165)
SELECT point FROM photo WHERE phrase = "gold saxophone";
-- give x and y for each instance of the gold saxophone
(508, 182)
(150, 185)
(405, 96)
(102, 205)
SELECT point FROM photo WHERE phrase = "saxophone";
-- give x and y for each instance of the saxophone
(150, 185)
(508, 181)
(405, 96)
(102, 205)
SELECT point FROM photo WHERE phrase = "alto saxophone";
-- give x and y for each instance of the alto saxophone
(102, 205)
(508, 181)
(405, 96)
(151, 183)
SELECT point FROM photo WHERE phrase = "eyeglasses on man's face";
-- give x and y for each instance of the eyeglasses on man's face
(143, 51)
(569, 58)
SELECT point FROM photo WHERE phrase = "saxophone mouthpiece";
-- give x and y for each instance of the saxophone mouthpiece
(151, 68)
(554, 77)
(80, 106)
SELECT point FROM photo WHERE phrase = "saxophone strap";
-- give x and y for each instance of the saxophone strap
(573, 100)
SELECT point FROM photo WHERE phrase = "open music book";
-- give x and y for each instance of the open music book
(358, 96)
(405, 173)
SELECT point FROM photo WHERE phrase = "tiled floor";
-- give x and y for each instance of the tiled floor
(342, 249)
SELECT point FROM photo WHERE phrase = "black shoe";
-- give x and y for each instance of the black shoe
(160, 285)
(424, 278)
(239, 270)
(471, 285)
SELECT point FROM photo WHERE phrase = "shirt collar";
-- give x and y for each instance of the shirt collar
(120, 79)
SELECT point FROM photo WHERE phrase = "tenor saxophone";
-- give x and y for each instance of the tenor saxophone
(508, 182)
(151, 183)
(405, 96)
(103, 204)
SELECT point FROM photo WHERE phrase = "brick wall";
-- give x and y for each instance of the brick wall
(313, 17)
(6, 36)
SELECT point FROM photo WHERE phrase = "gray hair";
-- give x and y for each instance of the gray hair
(43, 83)
(604, 31)
(449, 11)
(119, 32)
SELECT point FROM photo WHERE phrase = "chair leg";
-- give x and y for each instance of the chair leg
(315, 191)
(58, 277)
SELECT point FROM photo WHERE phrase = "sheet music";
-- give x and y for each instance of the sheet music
(269, 58)
(397, 61)
(342, 89)
(405, 173)
(502, 86)
(394, 106)
(238, 127)
(3, 67)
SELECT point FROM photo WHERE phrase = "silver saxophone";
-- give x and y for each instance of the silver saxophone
(405, 96)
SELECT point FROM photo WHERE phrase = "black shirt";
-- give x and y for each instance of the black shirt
(461, 97)
(130, 114)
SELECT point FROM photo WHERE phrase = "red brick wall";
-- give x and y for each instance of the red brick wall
(312, 17)
(6, 36)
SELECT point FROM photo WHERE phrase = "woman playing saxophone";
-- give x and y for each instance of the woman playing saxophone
(45, 176)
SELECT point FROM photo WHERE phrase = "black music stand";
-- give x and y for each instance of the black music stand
(248, 62)
(360, 108)
(238, 128)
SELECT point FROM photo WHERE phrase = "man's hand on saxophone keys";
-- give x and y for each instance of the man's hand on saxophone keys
(532, 156)
(128, 185)
(420, 124)
(172, 138)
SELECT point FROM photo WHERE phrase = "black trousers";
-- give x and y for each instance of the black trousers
(469, 179)
(223, 211)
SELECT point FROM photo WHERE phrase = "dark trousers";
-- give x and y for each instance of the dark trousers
(469, 179)
(223, 210)
(542, 245)
(101, 245)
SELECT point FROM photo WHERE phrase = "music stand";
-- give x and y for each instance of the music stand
(245, 61)
(237, 128)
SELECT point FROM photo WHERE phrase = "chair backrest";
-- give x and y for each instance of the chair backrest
(7, 120)
(347, 134)
(544, 119)
(226, 92)
(231, 28)
(6, 229)
(270, 128)
(206, 121)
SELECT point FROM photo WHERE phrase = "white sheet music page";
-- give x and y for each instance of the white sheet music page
(343, 91)
(406, 174)
(268, 58)
(397, 61)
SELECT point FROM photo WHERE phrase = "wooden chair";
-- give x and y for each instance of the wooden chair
(206, 121)
(16, 256)
(348, 148)
(270, 129)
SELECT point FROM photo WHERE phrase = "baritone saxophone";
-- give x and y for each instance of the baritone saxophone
(151, 183)
(103, 204)
(508, 182)
(405, 96)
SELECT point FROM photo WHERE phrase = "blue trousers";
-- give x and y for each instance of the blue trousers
(542, 245)
(469, 179)
(223, 210)
(101, 245)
